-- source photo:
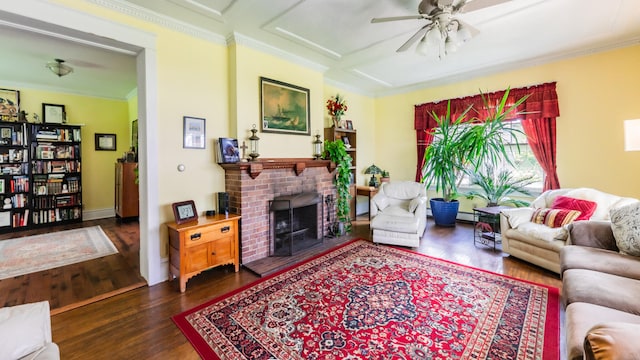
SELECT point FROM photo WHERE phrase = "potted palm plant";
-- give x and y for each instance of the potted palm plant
(336, 152)
(495, 187)
(462, 145)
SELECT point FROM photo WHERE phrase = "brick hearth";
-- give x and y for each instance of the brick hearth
(251, 186)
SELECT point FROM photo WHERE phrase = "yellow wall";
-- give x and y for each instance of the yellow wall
(249, 66)
(96, 115)
(596, 94)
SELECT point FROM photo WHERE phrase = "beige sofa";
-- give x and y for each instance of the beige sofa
(600, 288)
(399, 213)
(25, 333)
(540, 244)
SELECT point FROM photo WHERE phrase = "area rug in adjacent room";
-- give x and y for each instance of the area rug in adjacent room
(366, 301)
(34, 253)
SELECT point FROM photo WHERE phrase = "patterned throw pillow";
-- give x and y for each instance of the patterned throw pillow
(586, 207)
(554, 217)
(625, 223)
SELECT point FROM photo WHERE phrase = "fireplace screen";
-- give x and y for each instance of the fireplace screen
(296, 223)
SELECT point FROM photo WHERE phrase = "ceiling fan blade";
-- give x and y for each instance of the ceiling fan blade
(481, 4)
(420, 33)
(394, 18)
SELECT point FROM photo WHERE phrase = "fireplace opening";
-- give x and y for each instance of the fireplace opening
(296, 223)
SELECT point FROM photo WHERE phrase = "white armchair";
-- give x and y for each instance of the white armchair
(25, 332)
(399, 213)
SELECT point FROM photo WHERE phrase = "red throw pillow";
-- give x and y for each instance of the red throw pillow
(586, 207)
(554, 217)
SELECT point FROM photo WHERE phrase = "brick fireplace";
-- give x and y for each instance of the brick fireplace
(251, 185)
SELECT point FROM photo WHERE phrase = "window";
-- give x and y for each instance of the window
(523, 162)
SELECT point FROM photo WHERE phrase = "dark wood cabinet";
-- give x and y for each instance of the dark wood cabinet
(126, 192)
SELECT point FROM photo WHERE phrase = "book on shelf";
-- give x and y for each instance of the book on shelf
(227, 151)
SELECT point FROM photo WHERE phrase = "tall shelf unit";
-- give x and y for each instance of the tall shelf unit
(332, 134)
(56, 174)
(14, 176)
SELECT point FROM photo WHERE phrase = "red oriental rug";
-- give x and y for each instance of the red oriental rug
(366, 301)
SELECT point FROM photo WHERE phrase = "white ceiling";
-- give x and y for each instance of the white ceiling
(337, 37)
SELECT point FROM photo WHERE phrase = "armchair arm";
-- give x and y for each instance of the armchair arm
(378, 202)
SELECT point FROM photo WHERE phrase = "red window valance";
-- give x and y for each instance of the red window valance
(542, 103)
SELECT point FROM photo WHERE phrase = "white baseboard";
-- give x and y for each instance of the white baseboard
(462, 216)
(98, 214)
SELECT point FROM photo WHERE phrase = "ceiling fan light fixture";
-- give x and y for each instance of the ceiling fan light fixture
(59, 68)
(463, 33)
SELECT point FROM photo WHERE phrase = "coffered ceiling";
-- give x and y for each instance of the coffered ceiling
(338, 38)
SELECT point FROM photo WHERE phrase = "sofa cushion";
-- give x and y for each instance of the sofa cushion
(612, 340)
(531, 230)
(604, 200)
(581, 317)
(592, 233)
(24, 329)
(586, 207)
(595, 287)
(404, 190)
(518, 216)
(625, 224)
(554, 217)
(402, 221)
(607, 261)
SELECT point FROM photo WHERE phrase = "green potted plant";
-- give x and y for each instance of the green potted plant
(496, 186)
(336, 152)
(459, 146)
(384, 176)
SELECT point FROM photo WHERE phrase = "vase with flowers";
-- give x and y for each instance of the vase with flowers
(337, 106)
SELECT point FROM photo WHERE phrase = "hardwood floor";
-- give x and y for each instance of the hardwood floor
(137, 324)
(82, 283)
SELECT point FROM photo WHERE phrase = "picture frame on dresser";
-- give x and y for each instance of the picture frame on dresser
(349, 124)
(184, 211)
(53, 114)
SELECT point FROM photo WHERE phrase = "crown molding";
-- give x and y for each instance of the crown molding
(141, 13)
(61, 90)
(506, 66)
(239, 39)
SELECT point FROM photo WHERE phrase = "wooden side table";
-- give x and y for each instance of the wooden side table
(203, 244)
(369, 192)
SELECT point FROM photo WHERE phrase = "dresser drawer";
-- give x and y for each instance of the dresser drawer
(194, 237)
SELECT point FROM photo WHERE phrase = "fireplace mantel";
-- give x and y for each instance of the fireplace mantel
(254, 168)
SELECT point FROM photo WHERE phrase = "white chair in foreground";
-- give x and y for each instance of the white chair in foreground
(399, 213)
(25, 332)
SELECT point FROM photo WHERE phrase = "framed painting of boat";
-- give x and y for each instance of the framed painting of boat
(284, 107)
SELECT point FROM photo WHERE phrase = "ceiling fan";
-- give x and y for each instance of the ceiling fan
(444, 32)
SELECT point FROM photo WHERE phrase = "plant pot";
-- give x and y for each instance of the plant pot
(444, 213)
(385, 179)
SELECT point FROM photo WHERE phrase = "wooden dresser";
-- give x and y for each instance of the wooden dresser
(197, 246)
(127, 197)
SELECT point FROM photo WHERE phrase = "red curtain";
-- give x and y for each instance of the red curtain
(539, 112)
